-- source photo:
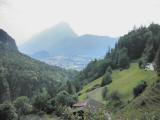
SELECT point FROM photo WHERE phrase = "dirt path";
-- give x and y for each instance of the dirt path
(37, 117)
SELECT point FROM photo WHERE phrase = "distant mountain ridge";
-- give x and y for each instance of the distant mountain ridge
(61, 40)
(48, 39)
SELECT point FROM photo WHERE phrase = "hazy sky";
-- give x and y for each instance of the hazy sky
(24, 18)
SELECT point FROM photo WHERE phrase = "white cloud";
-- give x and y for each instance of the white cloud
(24, 18)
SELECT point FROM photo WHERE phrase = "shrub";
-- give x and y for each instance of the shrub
(70, 87)
(73, 99)
(109, 69)
(40, 101)
(106, 79)
(123, 60)
(8, 112)
(60, 110)
(139, 89)
(104, 93)
(23, 105)
(62, 98)
(65, 99)
(140, 63)
(50, 106)
(115, 98)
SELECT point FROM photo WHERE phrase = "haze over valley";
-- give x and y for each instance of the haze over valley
(61, 46)
(79, 60)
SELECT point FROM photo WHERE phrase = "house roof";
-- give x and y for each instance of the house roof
(91, 104)
(80, 104)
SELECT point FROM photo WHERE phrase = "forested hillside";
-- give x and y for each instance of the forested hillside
(21, 75)
(141, 45)
(127, 79)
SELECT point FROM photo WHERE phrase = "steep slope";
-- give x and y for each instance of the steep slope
(141, 45)
(128, 96)
(21, 75)
(123, 82)
(146, 106)
(6, 42)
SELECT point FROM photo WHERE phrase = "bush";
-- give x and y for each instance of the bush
(63, 98)
(115, 98)
(60, 110)
(23, 105)
(104, 93)
(106, 79)
(123, 59)
(40, 101)
(72, 99)
(142, 63)
(8, 112)
(109, 69)
(124, 62)
(70, 87)
(139, 89)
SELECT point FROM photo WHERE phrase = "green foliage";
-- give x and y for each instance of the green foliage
(115, 96)
(139, 44)
(62, 98)
(104, 93)
(94, 70)
(141, 64)
(144, 107)
(8, 112)
(139, 89)
(122, 81)
(109, 69)
(123, 61)
(115, 100)
(70, 87)
(24, 76)
(40, 101)
(135, 42)
(98, 115)
(157, 62)
(22, 105)
(107, 79)
(93, 88)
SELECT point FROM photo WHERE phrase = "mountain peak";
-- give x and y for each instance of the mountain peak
(63, 24)
(62, 28)
(6, 41)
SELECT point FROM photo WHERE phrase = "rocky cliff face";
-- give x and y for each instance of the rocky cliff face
(7, 42)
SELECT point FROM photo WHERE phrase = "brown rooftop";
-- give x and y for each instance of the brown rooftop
(89, 103)
(80, 104)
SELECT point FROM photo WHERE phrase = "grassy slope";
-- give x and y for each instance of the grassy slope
(123, 81)
(146, 106)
